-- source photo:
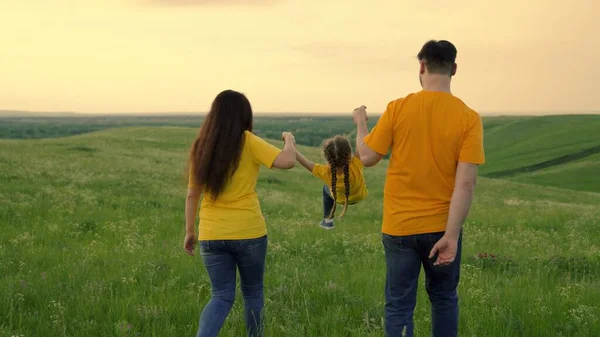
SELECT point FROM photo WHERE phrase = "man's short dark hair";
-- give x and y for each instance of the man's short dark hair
(439, 57)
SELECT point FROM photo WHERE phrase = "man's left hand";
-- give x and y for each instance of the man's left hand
(446, 249)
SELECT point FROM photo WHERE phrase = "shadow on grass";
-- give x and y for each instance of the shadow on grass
(83, 148)
(571, 268)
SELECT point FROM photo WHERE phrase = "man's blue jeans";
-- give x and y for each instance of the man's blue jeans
(221, 257)
(404, 256)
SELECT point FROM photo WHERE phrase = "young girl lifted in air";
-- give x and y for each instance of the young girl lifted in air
(343, 177)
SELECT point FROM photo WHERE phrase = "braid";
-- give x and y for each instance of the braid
(338, 153)
(346, 187)
(333, 189)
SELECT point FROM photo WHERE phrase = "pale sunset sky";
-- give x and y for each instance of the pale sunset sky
(111, 56)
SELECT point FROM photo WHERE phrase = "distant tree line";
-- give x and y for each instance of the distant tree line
(309, 131)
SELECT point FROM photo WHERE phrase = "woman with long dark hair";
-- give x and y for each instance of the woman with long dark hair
(224, 164)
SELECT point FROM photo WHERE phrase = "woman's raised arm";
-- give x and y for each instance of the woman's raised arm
(287, 158)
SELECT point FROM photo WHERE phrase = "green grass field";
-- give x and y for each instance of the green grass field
(92, 228)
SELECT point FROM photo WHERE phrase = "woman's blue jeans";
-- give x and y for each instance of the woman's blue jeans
(221, 259)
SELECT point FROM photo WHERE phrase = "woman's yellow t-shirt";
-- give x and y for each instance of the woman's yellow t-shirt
(236, 213)
(358, 186)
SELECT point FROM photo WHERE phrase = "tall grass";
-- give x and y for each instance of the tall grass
(92, 228)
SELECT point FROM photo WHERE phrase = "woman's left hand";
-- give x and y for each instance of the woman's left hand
(288, 136)
(189, 243)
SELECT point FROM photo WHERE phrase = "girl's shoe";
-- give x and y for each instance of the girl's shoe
(327, 224)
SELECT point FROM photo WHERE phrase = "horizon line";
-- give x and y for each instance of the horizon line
(30, 113)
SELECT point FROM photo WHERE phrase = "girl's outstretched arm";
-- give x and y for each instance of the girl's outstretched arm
(309, 165)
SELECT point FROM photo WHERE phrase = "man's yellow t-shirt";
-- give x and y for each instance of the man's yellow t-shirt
(429, 133)
(358, 187)
(236, 213)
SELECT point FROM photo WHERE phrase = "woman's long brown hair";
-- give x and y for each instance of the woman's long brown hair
(338, 153)
(215, 154)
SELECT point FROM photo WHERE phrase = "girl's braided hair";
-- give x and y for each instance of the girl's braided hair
(338, 153)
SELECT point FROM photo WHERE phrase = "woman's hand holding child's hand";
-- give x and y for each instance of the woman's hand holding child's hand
(288, 137)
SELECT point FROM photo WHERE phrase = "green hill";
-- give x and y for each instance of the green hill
(559, 151)
(550, 150)
(517, 143)
(583, 174)
(92, 229)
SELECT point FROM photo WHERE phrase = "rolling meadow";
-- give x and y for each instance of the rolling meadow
(92, 226)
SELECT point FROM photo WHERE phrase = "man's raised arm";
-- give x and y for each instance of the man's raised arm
(367, 156)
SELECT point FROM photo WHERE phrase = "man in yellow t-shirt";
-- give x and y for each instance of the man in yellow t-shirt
(436, 144)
